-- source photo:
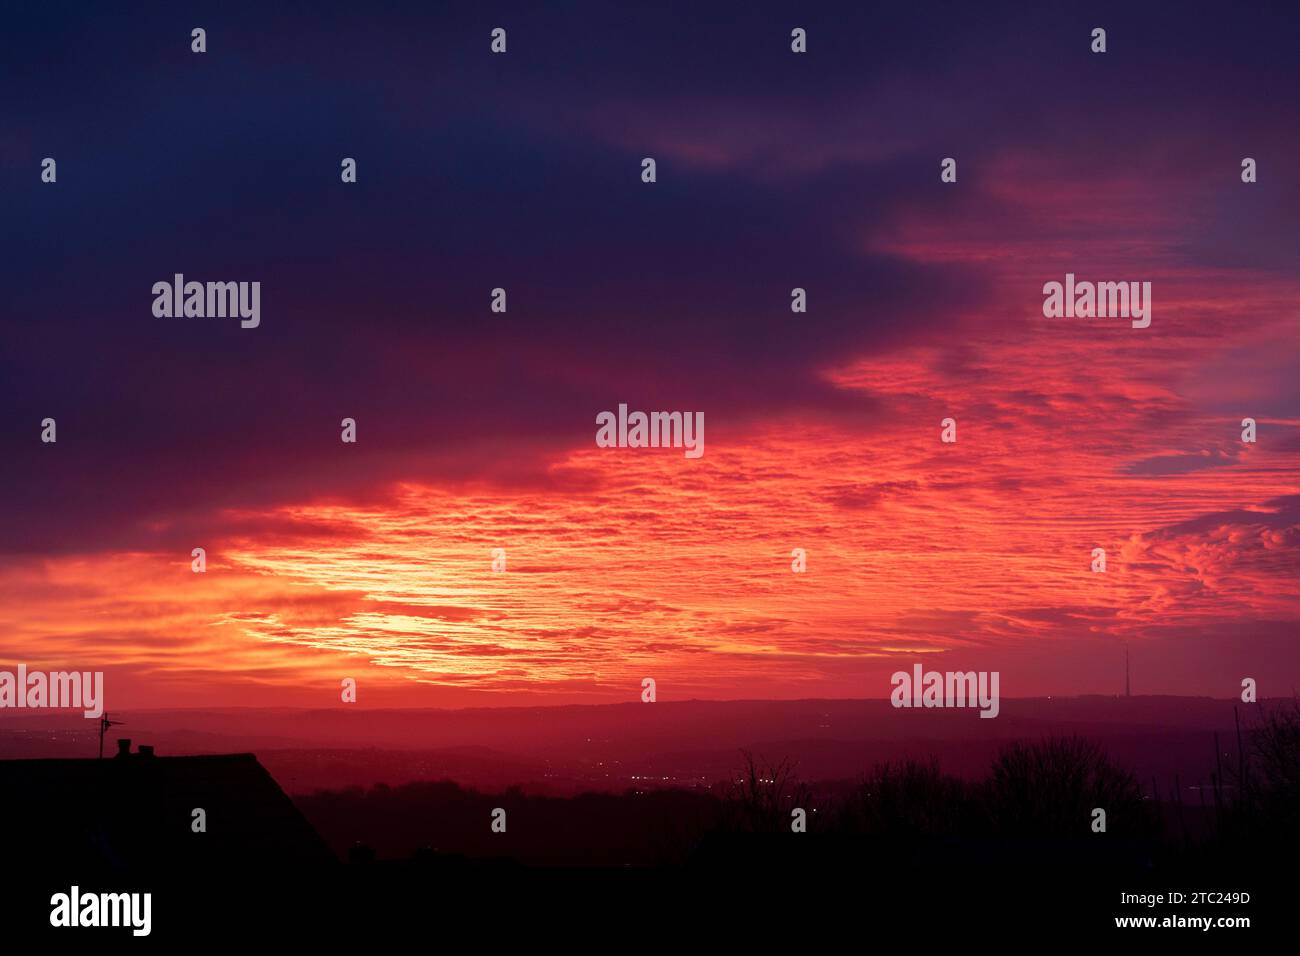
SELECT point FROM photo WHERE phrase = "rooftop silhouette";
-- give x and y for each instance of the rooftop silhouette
(135, 812)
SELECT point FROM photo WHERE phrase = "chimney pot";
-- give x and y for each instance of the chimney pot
(123, 746)
(146, 750)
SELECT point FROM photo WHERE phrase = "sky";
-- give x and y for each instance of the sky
(475, 430)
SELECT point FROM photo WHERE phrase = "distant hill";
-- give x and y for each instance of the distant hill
(675, 743)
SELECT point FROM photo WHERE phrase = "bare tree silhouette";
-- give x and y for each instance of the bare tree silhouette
(1050, 789)
(904, 799)
(761, 799)
(1266, 788)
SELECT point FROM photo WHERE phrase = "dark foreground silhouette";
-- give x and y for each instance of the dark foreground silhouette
(1057, 803)
(905, 845)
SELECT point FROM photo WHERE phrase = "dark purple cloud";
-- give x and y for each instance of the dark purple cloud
(522, 171)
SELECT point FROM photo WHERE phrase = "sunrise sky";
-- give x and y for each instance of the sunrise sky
(476, 430)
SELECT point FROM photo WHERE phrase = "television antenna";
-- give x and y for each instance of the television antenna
(104, 724)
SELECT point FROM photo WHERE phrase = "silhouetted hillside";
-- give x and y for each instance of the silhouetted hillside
(1054, 803)
(686, 744)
